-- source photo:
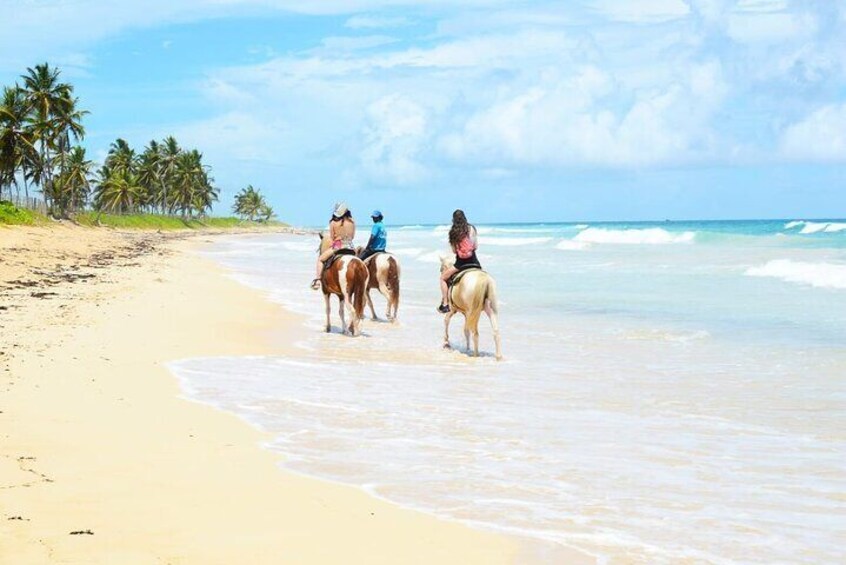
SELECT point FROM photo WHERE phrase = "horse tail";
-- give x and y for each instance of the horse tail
(477, 301)
(393, 278)
(491, 300)
(361, 278)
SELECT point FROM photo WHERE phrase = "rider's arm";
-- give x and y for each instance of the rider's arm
(474, 237)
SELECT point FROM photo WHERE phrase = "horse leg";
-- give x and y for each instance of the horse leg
(354, 321)
(394, 304)
(341, 314)
(370, 303)
(494, 318)
(447, 318)
(466, 334)
(328, 310)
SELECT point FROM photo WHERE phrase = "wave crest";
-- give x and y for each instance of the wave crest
(816, 227)
(822, 275)
(647, 236)
(514, 241)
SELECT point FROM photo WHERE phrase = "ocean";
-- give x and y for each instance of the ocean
(671, 391)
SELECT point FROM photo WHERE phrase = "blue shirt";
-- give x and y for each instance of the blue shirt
(379, 237)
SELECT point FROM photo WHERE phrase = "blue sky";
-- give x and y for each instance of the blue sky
(512, 110)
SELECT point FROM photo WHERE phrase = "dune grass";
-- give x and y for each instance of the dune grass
(14, 216)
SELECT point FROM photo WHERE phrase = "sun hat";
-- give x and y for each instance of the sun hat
(376, 214)
(340, 209)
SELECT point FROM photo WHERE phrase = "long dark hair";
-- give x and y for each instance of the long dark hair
(460, 228)
(346, 216)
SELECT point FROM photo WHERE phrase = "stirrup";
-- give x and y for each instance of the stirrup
(315, 284)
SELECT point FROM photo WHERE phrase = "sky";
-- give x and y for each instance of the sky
(584, 110)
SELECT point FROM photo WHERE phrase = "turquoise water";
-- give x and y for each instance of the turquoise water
(671, 391)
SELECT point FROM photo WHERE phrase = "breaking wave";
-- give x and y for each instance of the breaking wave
(822, 275)
(815, 227)
(648, 236)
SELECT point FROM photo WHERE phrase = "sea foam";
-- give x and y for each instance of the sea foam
(648, 236)
(815, 227)
(570, 245)
(823, 275)
(515, 241)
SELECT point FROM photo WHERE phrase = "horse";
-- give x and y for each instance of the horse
(473, 294)
(384, 272)
(347, 278)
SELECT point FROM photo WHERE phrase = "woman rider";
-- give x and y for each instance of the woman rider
(341, 234)
(463, 240)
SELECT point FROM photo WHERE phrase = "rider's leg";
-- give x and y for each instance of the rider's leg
(445, 276)
(319, 272)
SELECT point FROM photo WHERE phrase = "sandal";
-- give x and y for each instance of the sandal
(315, 284)
(443, 308)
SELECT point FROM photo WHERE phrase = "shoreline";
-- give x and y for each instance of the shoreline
(100, 438)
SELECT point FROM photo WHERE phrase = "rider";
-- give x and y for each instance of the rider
(378, 237)
(463, 239)
(341, 234)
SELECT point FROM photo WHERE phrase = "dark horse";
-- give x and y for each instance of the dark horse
(346, 277)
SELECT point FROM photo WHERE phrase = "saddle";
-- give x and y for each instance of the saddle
(456, 278)
(334, 257)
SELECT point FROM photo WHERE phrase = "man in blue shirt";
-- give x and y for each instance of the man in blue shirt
(378, 236)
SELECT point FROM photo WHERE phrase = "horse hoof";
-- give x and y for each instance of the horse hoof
(499, 357)
(328, 329)
(447, 346)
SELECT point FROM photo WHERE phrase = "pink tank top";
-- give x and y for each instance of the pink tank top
(465, 248)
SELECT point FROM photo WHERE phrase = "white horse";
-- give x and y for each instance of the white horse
(384, 270)
(473, 294)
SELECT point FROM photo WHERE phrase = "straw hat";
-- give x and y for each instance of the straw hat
(340, 209)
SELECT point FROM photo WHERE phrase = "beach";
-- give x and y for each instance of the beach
(103, 460)
(670, 392)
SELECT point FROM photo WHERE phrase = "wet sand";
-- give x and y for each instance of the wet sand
(103, 461)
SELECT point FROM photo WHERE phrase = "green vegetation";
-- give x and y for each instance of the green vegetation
(158, 221)
(250, 204)
(163, 187)
(12, 215)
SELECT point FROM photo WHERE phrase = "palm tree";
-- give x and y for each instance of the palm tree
(250, 204)
(149, 173)
(51, 115)
(121, 158)
(117, 191)
(169, 154)
(74, 181)
(193, 187)
(67, 123)
(17, 149)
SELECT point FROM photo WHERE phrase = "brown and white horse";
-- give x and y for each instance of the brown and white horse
(347, 279)
(384, 270)
(473, 294)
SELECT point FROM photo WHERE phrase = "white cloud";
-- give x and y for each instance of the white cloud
(568, 123)
(756, 27)
(820, 136)
(394, 136)
(642, 11)
(236, 136)
(354, 43)
(376, 22)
